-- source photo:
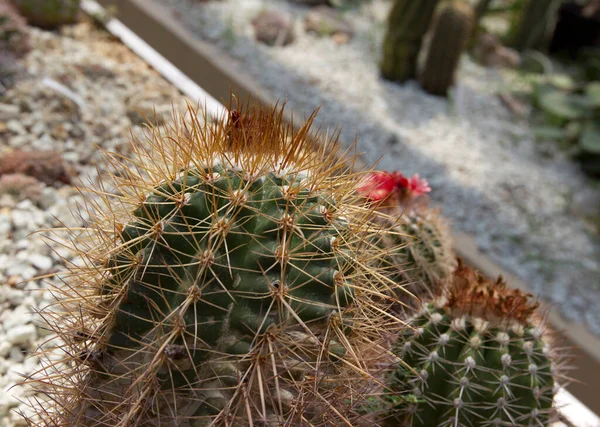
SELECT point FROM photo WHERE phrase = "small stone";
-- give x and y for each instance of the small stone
(274, 28)
(8, 111)
(23, 334)
(4, 347)
(16, 355)
(41, 262)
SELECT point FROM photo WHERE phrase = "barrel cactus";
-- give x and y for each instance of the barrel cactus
(420, 254)
(407, 24)
(451, 34)
(49, 14)
(228, 281)
(478, 355)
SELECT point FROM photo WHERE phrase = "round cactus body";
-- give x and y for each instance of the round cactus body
(49, 13)
(228, 285)
(475, 357)
(422, 256)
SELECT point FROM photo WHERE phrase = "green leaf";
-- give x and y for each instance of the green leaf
(562, 105)
(590, 138)
(549, 132)
(592, 90)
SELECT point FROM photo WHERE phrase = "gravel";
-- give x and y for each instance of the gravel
(488, 174)
(77, 92)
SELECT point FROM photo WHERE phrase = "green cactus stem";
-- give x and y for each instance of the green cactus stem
(451, 34)
(408, 22)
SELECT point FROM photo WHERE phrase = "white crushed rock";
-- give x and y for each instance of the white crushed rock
(78, 91)
(488, 174)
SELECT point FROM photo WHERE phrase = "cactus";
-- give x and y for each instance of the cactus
(536, 23)
(450, 37)
(407, 24)
(49, 14)
(14, 36)
(227, 284)
(423, 259)
(479, 355)
(420, 256)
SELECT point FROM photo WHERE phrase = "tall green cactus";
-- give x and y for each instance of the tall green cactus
(49, 13)
(450, 37)
(408, 22)
(229, 284)
(533, 29)
(477, 356)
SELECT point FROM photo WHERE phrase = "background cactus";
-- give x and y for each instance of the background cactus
(225, 284)
(477, 356)
(14, 35)
(535, 25)
(451, 34)
(49, 13)
(408, 22)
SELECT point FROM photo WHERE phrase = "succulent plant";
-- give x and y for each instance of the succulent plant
(408, 22)
(453, 27)
(533, 28)
(228, 282)
(572, 115)
(49, 14)
(14, 35)
(479, 355)
(421, 256)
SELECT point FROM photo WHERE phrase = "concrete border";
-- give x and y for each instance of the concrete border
(151, 33)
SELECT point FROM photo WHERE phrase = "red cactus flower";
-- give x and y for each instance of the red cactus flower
(378, 186)
(418, 186)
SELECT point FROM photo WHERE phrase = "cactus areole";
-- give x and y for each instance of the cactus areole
(476, 357)
(221, 286)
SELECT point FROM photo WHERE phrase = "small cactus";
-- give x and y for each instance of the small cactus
(14, 35)
(421, 258)
(228, 283)
(49, 14)
(451, 34)
(408, 22)
(479, 355)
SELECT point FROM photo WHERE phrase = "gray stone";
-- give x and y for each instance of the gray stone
(21, 334)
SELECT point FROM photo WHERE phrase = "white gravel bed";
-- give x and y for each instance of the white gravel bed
(79, 92)
(487, 173)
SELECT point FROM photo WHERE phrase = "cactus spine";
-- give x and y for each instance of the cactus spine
(226, 284)
(477, 356)
(450, 37)
(407, 24)
(49, 13)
